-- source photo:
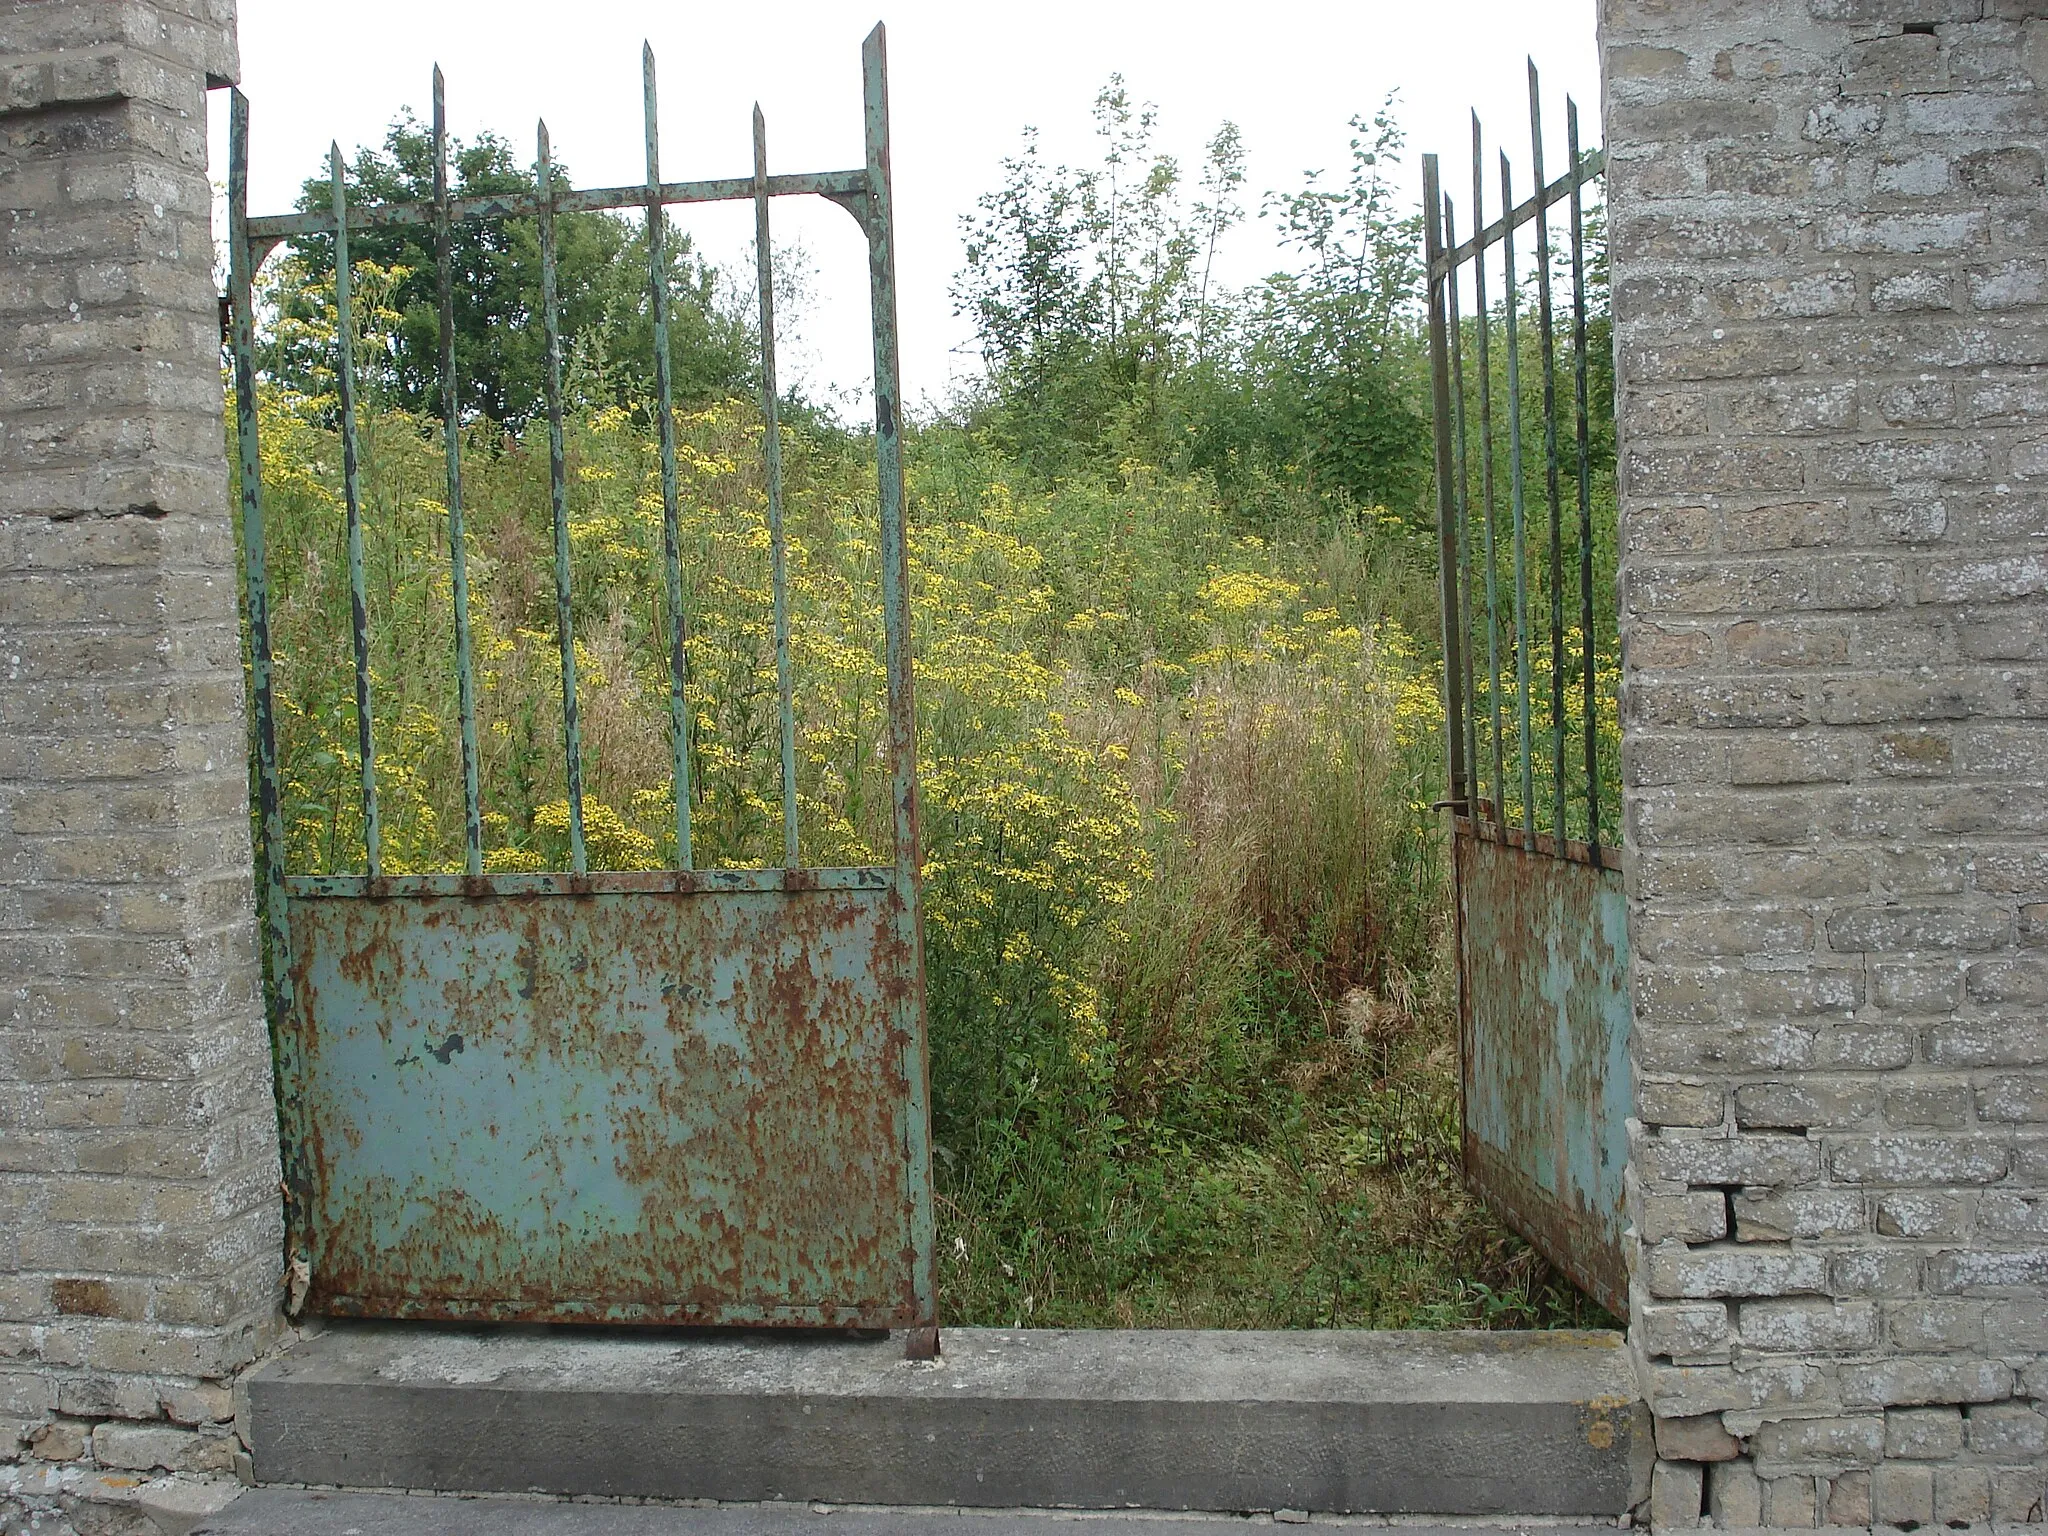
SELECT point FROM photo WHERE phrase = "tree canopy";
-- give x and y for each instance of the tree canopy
(1106, 335)
(500, 346)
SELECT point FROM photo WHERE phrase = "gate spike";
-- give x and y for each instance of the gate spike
(1517, 498)
(352, 498)
(1546, 354)
(1484, 322)
(458, 558)
(558, 501)
(671, 533)
(1587, 663)
(771, 448)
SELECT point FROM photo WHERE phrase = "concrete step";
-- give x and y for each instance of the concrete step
(1427, 1423)
(300, 1512)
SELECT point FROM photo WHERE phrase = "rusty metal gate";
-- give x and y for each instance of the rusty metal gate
(1542, 943)
(689, 1096)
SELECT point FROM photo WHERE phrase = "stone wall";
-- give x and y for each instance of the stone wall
(1830, 257)
(1830, 265)
(139, 1211)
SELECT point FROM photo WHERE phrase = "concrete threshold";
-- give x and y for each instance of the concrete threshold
(1335, 1422)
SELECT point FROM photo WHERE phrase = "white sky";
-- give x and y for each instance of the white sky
(965, 79)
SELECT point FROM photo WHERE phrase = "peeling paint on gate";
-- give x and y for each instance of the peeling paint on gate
(1543, 1024)
(691, 1096)
(631, 1104)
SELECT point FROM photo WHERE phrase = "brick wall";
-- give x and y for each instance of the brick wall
(139, 1215)
(1830, 263)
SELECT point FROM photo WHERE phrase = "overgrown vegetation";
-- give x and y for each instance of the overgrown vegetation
(1179, 724)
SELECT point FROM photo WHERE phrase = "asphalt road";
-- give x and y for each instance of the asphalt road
(294, 1512)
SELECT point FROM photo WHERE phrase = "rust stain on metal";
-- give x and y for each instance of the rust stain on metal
(694, 1096)
(1544, 1018)
(637, 1105)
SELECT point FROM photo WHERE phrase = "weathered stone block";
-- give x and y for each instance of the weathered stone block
(1901, 1492)
(145, 1446)
(1741, 1159)
(1821, 1446)
(1701, 1439)
(2017, 1494)
(1993, 1042)
(1766, 1216)
(1849, 1499)
(1923, 1434)
(206, 1402)
(1935, 1323)
(2006, 1431)
(1753, 1270)
(1699, 1216)
(1937, 1104)
(1888, 1271)
(1905, 292)
(1685, 1331)
(1893, 928)
(1987, 1270)
(1921, 1213)
(1914, 1159)
(1805, 1102)
(1734, 1495)
(1808, 1326)
(2001, 1214)
(61, 1440)
(1920, 1379)
(1689, 1391)
(1676, 1496)
(1696, 1104)
(1962, 1495)
(1790, 1503)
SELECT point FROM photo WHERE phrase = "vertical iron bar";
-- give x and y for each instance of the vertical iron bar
(1485, 324)
(778, 543)
(558, 499)
(241, 278)
(1471, 714)
(352, 496)
(671, 532)
(458, 560)
(280, 1004)
(881, 230)
(1517, 498)
(1446, 500)
(1592, 725)
(1547, 350)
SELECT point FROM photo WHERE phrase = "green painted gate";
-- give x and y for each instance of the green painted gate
(1542, 939)
(687, 1096)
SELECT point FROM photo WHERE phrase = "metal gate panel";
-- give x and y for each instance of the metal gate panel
(1543, 1027)
(674, 1099)
(1542, 944)
(691, 1096)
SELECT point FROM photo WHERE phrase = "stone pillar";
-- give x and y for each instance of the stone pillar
(1830, 267)
(140, 1226)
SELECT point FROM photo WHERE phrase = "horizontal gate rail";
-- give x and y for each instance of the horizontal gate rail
(515, 205)
(893, 951)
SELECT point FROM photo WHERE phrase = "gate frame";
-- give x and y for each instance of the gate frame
(866, 194)
(1566, 1199)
